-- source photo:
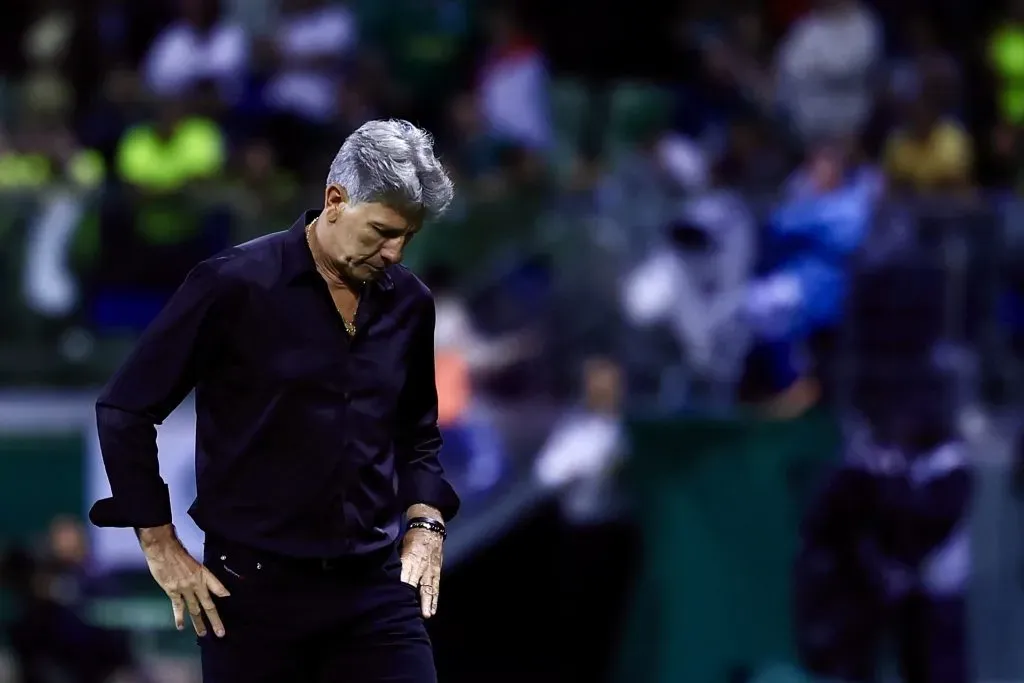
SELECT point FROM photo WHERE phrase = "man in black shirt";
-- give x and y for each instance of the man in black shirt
(312, 357)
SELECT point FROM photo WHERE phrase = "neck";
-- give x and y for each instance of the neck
(329, 269)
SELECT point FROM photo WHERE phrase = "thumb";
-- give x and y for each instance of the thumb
(214, 585)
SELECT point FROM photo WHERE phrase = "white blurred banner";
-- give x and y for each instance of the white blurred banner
(176, 439)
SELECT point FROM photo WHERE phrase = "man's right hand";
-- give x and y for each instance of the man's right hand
(187, 583)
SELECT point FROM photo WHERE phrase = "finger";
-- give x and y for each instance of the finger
(214, 585)
(210, 610)
(425, 601)
(412, 571)
(428, 595)
(436, 583)
(410, 575)
(178, 606)
(196, 612)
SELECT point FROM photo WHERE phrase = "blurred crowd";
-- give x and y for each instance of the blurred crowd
(687, 205)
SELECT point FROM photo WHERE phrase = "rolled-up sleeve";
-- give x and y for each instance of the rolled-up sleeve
(159, 373)
(418, 441)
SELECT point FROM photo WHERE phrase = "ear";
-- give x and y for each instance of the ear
(335, 197)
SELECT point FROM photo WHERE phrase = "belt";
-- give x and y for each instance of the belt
(261, 559)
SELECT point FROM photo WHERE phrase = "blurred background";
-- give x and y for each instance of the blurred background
(730, 317)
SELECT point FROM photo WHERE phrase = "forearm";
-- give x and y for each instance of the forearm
(158, 374)
(139, 495)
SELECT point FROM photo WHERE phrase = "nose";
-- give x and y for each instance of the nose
(391, 252)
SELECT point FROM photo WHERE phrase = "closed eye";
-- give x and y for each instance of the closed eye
(388, 232)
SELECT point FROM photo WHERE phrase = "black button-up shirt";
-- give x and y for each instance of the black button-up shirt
(308, 443)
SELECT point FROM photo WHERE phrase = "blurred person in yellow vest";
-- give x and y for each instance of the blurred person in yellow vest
(473, 448)
(40, 149)
(42, 156)
(1006, 59)
(930, 154)
(167, 211)
(171, 151)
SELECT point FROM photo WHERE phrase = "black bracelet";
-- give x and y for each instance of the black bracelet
(433, 525)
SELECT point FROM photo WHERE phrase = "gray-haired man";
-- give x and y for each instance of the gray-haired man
(311, 355)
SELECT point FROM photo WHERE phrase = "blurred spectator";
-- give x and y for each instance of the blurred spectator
(303, 60)
(49, 635)
(754, 161)
(199, 47)
(583, 451)
(707, 105)
(1006, 157)
(925, 67)
(827, 68)
(1006, 56)
(692, 282)
(47, 49)
(420, 50)
(110, 111)
(580, 460)
(473, 449)
(155, 227)
(172, 150)
(886, 552)
(513, 84)
(50, 288)
(931, 154)
(803, 285)
(264, 195)
(472, 150)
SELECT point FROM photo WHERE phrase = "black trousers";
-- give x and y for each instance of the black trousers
(352, 621)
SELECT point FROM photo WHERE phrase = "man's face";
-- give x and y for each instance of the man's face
(364, 239)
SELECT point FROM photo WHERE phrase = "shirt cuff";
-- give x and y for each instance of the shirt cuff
(426, 488)
(140, 512)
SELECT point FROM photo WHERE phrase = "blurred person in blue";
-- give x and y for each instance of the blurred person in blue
(799, 296)
(886, 551)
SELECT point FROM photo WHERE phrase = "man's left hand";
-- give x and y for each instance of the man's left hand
(422, 553)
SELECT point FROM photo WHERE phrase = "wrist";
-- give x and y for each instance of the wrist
(156, 537)
(430, 525)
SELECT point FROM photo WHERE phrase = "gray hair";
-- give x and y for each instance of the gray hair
(393, 162)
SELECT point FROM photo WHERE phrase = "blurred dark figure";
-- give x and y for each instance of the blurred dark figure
(263, 195)
(885, 551)
(48, 635)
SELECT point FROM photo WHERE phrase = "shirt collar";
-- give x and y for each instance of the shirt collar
(298, 260)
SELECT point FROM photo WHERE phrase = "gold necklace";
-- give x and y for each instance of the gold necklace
(350, 327)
